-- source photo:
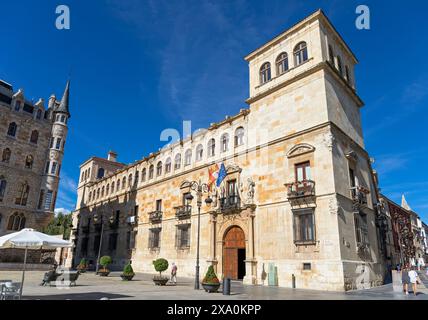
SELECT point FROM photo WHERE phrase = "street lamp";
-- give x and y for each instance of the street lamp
(200, 189)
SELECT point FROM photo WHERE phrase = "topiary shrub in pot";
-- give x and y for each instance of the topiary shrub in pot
(160, 266)
(210, 283)
(128, 273)
(104, 262)
(83, 265)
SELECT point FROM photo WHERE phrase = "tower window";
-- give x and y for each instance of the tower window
(6, 155)
(17, 105)
(300, 53)
(282, 63)
(53, 168)
(11, 131)
(265, 73)
(29, 162)
(100, 173)
(23, 192)
(34, 136)
(3, 184)
(39, 114)
(58, 144)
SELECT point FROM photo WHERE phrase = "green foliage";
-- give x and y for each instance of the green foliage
(60, 224)
(127, 270)
(210, 276)
(160, 265)
(83, 264)
(105, 261)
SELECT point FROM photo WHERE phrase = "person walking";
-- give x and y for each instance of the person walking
(405, 279)
(174, 274)
(414, 279)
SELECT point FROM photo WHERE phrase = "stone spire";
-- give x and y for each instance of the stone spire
(404, 203)
(64, 105)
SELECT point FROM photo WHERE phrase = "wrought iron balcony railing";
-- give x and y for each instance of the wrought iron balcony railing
(155, 216)
(300, 189)
(183, 212)
(359, 195)
(232, 202)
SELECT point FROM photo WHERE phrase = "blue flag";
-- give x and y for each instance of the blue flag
(221, 175)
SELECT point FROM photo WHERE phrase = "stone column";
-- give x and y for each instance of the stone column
(213, 230)
(250, 262)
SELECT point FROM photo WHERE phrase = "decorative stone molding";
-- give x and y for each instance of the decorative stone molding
(351, 156)
(329, 141)
(333, 206)
(300, 149)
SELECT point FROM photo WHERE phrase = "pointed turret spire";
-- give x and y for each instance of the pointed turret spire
(404, 203)
(64, 107)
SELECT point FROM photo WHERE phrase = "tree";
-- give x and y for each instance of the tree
(60, 224)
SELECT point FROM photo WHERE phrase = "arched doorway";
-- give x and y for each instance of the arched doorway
(234, 254)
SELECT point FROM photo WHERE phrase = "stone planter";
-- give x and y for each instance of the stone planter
(127, 277)
(103, 273)
(211, 287)
(160, 281)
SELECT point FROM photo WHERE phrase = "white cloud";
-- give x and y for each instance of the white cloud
(62, 210)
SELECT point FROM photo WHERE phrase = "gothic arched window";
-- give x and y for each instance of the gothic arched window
(16, 222)
(22, 197)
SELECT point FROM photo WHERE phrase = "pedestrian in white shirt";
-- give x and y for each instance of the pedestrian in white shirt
(414, 279)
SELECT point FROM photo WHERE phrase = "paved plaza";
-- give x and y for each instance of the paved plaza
(92, 287)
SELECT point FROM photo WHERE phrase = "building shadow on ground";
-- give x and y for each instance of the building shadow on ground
(77, 296)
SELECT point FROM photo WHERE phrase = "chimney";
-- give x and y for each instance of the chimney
(112, 156)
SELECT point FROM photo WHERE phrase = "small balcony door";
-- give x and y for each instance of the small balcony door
(158, 205)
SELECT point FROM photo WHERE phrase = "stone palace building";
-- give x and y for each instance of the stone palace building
(297, 204)
(32, 140)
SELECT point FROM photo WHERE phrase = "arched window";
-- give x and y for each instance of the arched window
(39, 114)
(11, 131)
(16, 222)
(211, 148)
(102, 192)
(339, 66)
(130, 180)
(151, 171)
(177, 161)
(112, 187)
(6, 155)
(143, 175)
(18, 105)
(118, 185)
(98, 193)
(29, 162)
(168, 165)
(159, 169)
(3, 184)
(224, 142)
(123, 183)
(34, 136)
(300, 53)
(137, 177)
(22, 197)
(188, 157)
(100, 173)
(265, 73)
(90, 196)
(330, 55)
(199, 152)
(282, 63)
(107, 189)
(239, 136)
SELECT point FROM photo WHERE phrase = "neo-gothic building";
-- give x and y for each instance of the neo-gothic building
(298, 202)
(32, 140)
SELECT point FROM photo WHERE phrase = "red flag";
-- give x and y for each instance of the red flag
(212, 175)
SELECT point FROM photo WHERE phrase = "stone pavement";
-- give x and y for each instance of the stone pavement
(92, 287)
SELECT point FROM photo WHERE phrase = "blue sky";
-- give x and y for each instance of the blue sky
(138, 67)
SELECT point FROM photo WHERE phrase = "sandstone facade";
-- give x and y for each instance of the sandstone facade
(297, 206)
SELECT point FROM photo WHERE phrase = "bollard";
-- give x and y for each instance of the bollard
(293, 281)
(226, 286)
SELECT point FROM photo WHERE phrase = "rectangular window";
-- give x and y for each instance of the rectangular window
(352, 182)
(48, 200)
(303, 171)
(58, 144)
(182, 239)
(304, 225)
(112, 242)
(361, 230)
(42, 194)
(154, 238)
(158, 205)
(307, 266)
(53, 168)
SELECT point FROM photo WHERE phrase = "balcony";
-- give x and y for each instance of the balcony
(359, 197)
(155, 216)
(300, 189)
(183, 212)
(230, 203)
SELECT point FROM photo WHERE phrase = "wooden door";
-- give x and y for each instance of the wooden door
(234, 240)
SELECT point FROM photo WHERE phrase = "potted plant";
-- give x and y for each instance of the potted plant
(160, 266)
(210, 282)
(128, 273)
(104, 262)
(83, 266)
